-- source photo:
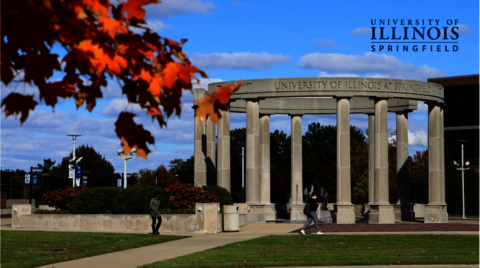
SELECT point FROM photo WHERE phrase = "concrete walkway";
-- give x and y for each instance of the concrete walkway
(198, 242)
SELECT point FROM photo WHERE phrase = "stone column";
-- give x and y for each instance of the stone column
(382, 210)
(270, 212)
(253, 155)
(403, 209)
(343, 209)
(371, 165)
(435, 210)
(211, 153)
(223, 151)
(297, 162)
(442, 160)
(200, 146)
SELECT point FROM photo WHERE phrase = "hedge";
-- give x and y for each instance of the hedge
(112, 200)
(97, 200)
(136, 200)
(223, 196)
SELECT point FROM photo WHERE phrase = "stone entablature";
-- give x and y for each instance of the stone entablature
(336, 87)
(358, 105)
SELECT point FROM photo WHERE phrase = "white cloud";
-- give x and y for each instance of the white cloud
(325, 74)
(237, 4)
(154, 25)
(118, 105)
(462, 29)
(364, 31)
(170, 8)
(238, 60)
(204, 82)
(418, 138)
(327, 43)
(370, 64)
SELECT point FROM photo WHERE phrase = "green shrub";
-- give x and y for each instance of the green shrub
(47, 211)
(63, 198)
(136, 200)
(186, 196)
(177, 211)
(97, 200)
(223, 196)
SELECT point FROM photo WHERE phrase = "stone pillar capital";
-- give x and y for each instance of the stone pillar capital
(376, 99)
(292, 115)
(435, 103)
(343, 97)
(404, 112)
(254, 99)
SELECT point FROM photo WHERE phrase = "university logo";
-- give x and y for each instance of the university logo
(414, 35)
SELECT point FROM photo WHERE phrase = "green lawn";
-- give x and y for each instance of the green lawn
(33, 248)
(314, 250)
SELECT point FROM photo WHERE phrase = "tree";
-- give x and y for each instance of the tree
(97, 39)
(184, 169)
(48, 166)
(238, 138)
(101, 170)
(320, 158)
(159, 177)
(280, 167)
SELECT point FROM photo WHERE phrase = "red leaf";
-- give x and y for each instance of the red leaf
(134, 8)
(133, 135)
(17, 103)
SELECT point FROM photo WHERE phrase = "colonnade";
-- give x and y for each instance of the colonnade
(378, 208)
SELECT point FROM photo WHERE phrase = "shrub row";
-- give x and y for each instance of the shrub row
(48, 211)
(176, 199)
(111, 200)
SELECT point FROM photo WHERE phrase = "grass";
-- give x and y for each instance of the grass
(313, 250)
(34, 248)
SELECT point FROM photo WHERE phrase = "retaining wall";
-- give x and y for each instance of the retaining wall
(206, 220)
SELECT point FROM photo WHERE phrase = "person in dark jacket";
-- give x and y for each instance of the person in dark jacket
(311, 213)
(155, 213)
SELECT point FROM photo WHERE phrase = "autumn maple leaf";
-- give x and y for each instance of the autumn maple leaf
(214, 102)
(134, 8)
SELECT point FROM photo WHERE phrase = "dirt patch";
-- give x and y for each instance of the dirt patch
(52, 251)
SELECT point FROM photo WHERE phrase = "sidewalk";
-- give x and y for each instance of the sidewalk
(198, 242)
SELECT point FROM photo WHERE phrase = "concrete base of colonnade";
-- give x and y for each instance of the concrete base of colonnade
(404, 212)
(436, 213)
(381, 214)
(343, 214)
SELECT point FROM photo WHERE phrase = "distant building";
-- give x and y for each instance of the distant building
(461, 115)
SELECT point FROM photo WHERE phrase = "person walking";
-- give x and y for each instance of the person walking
(155, 213)
(310, 211)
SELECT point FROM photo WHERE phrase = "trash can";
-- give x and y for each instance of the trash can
(230, 219)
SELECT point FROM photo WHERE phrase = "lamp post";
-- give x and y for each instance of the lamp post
(462, 168)
(74, 137)
(31, 181)
(125, 158)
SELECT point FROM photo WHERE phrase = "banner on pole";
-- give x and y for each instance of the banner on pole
(27, 179)
(77, 182)
(70, 171)
(78, 171)
(119, 183)
(35, 179)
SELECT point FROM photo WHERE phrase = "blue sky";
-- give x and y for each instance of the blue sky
(252, 39)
